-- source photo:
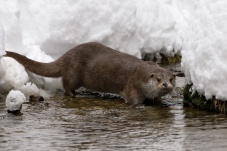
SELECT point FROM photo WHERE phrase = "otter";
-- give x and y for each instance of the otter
(97, 67)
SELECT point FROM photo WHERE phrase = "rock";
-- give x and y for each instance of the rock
(14, 101)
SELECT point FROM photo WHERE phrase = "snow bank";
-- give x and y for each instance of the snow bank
(203, 26)
(205, 48)
(128, 26)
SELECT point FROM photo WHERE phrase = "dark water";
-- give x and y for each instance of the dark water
(109, 124)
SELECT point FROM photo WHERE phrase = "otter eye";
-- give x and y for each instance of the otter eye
(171, 80)
(159, 79)
(152, 75)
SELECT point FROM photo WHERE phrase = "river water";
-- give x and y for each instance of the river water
(102, 123)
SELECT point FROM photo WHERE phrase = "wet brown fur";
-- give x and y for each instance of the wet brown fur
(97, 67)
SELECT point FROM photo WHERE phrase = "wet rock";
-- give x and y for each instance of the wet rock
(196, 100)
(33, 98)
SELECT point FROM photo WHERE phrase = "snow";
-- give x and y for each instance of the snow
(205, 50)
(44, 30)
(14, 100)
(2, 44)
(2, 52)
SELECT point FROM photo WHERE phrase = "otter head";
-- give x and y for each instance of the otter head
(158, 84)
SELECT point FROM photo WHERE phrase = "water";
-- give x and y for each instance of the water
(94, 123)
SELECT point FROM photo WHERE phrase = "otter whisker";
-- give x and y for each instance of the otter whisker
(155, 94)
(151, 93)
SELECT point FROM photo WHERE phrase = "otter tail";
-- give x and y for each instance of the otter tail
(51, 69)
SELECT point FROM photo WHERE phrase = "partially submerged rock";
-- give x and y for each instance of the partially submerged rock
(199, 101)
(14, 101)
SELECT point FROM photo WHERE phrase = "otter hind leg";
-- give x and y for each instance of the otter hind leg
(70, 85)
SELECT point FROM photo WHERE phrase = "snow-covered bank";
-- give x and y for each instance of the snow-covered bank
(205, 49)
(37, 28)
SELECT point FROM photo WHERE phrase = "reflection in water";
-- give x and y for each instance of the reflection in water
(205, 131)
(102, 124)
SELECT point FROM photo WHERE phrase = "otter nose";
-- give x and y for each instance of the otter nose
(165, 85)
